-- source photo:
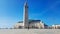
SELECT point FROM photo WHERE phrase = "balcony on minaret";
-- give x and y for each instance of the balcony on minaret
(26, 5)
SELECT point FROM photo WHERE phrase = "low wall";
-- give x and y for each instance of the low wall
(29, 31)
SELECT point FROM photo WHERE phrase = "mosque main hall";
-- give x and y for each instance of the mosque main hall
(26, 23)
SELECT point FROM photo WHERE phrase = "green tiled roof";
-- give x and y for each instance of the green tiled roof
(30, 21)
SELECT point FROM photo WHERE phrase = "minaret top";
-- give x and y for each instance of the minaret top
(26, 4)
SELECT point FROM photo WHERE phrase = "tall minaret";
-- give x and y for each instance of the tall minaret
(25, 15)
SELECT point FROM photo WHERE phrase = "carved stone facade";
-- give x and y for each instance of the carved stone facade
(32, 24)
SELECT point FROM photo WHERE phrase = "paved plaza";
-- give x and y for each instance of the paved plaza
(29, 31)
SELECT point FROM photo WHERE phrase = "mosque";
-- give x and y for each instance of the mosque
(26, 23)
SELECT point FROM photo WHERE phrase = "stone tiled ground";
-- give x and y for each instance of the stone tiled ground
(30, 31)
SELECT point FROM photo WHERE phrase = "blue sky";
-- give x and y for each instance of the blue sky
(11, 11)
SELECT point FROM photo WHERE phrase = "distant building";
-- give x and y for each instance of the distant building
(55, 26)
